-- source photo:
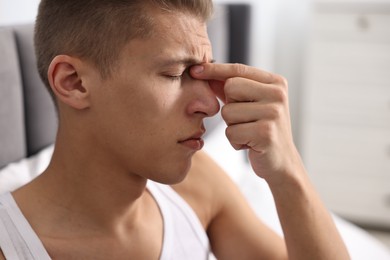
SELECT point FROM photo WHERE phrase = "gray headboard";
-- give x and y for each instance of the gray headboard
(27, 116)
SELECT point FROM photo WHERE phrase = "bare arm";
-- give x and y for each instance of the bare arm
(2, 257)
(257, 114)
(235, 232)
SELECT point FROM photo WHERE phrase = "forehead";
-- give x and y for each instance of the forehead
(184, 34)
(176, 36)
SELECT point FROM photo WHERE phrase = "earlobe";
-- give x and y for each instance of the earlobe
(66, 82)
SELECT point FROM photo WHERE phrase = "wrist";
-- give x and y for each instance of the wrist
(291, 173)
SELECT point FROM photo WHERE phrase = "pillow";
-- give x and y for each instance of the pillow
(19, 173)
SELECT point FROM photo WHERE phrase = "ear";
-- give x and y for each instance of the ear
(65, 80)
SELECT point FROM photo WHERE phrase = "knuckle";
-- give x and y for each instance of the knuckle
(230, 86)
(236, 147)
(225, 112)
(229, 82)
(275, 111)
(280, 94)
(229, 132)
(282, 81)
(240, 69)
(266, 131)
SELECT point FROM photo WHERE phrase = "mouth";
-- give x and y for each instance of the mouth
(195, 142)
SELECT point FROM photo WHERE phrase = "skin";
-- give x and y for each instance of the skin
(257, 116)
(111, 130)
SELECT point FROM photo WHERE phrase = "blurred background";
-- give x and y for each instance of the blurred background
(336, 57)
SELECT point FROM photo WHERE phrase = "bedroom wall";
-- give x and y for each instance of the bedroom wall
(17, 11)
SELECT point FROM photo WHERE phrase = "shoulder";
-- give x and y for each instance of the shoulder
(205, 188)
(2, 257)
(233, 228)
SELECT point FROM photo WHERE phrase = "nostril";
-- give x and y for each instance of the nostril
(203, 99)
(217, 108)
(206, 105)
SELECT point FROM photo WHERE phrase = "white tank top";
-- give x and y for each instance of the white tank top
(184, 236)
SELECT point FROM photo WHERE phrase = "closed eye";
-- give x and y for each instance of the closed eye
(178, 76)
(175, 77)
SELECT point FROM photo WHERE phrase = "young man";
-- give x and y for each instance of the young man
(133, 81)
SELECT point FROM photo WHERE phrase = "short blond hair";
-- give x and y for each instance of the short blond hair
(97, 30)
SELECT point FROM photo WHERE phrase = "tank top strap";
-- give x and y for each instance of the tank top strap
(17, 236)
(183, 232)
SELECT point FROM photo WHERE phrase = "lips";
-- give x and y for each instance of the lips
(195, 142)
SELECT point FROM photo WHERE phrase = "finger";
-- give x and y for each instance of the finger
(255, 135)
(246, 90)
(238, 113)
(218, 88)
(222, 72)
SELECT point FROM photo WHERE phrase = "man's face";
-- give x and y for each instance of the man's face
(149, 115)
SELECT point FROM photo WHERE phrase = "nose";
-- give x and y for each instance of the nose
(203, 100)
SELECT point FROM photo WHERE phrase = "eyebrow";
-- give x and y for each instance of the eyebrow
(185, 62)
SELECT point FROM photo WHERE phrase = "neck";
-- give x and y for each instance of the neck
(90, 190)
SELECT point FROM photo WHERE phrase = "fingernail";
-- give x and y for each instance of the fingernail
(197, 69)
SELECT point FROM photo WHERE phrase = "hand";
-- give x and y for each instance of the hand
(257, 114)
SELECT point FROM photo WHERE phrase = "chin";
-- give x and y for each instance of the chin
(171, 181)
(172, 178)
(170, 170)
(173, 175)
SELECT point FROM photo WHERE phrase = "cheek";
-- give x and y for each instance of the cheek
(161, 98)
(152, 104)
(168, 102)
